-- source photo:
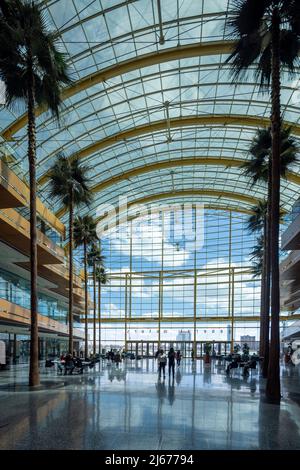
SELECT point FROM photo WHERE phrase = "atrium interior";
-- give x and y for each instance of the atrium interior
(159, 321)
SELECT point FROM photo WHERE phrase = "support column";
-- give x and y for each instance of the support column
(126, 287)
(99, 316)
(232, 310)
(229, 311)
(194, 216)
(160, 304)
(160, 288)
(230, 280)
(15, 349)
(195, 313)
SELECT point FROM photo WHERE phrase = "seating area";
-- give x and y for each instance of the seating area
(246, 364)
(68, 367)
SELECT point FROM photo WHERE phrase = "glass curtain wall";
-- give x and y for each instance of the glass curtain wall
(179, 275)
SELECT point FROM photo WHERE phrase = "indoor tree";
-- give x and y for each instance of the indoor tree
(267, 35)
(33, 71)
(85, 235)
(69, 184)
(258, 167)
(95, 261)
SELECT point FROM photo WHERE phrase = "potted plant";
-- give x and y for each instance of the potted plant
(207, 350)
(245, 350)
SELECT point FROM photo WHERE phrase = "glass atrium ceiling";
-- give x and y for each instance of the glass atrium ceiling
(153, 109)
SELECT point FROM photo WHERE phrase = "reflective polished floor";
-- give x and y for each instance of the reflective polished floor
(129, 408)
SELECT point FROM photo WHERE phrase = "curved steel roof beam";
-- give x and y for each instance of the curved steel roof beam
(126, 83)
(226, 162)
(146, 60)
(136, 33)
(158, 208)
(151, 187)
(205, 120)
(186, 193)
(140, 114)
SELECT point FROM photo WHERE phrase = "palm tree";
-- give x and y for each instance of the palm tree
(268, 38)
(84, 235)
(258, 168)
(257, 223)
(32, 70)
(69, 184)
(102, 279)
(95, 259)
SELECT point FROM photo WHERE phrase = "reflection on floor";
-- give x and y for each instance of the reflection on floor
(129, 408)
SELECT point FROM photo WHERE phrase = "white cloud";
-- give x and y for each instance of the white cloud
(144, 239)
(112, 310)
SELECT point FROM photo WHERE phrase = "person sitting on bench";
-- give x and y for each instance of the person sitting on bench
(249, 365)
(78, 365)
(234, 364)
(69, 364)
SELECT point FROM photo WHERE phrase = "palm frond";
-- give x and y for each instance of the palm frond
(264, 66)
(260, 151)
(289, 50)
(84, 230)
(256, 256)
(24, 32)
(246, 51)
(101, 275)
(256, 221)
(250, 24)
(246, 16)
(291, 10)
(68, 175)
(94, 255)
(256, 169)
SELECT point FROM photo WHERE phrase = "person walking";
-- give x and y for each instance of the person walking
(118, 358)
(171, 357)
(162, 360)
(193, 355)
(178, 357)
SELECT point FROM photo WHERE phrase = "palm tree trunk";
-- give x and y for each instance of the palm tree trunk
(85, 301)
(99, 313)
(266, 345)
(263, 294)
(273, 381)
(71, 223)
(34, 375)
(94, 318)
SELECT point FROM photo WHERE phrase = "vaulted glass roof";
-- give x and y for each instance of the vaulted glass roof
(153, 109)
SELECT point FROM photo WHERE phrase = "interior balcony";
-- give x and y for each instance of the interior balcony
(15, 193)
(15, 232)
(12, 314)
